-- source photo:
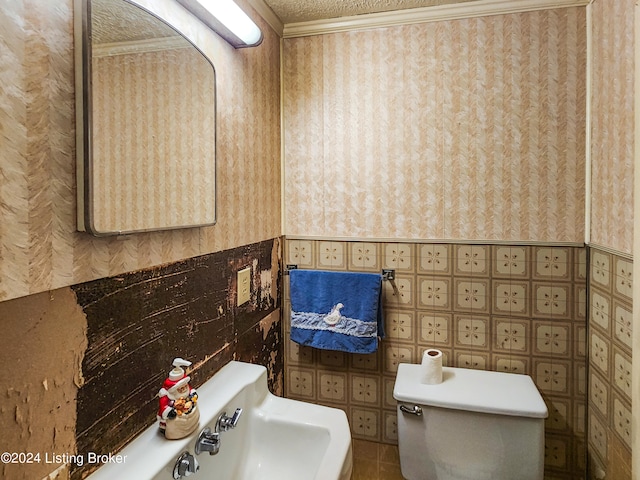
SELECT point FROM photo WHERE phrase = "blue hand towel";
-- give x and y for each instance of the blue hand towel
(336, 310)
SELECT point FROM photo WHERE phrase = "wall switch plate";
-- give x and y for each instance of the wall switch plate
(244, 285)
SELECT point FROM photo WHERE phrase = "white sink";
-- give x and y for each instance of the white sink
(275, 438)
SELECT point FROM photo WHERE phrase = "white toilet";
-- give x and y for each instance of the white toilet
(475, 425)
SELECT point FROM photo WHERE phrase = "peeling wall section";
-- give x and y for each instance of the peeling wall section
(44, 340)
(139, 322)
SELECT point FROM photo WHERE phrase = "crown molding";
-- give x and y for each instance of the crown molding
(268, 15)
(478, 8)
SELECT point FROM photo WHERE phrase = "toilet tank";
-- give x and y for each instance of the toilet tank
(475, 425)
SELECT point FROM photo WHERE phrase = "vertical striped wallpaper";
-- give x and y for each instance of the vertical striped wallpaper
(40, 248)
(612, 134)
(153, 166)
(468, 129)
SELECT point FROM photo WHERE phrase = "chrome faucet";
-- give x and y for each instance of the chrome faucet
(186, 464)
(225, 423)
(209, 441)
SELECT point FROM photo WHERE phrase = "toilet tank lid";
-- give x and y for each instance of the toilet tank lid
(472, 390)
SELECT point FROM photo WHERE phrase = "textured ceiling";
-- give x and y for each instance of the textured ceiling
(292, 11)
(114, 21)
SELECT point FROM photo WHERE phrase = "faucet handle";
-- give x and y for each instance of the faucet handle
(225, 423)
(235, 418)
(208, 441)
(186, 464)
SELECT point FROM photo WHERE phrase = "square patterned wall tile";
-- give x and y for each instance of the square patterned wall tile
(511, 363)
(552, 263)
(622, 324)
(512, 335)
(477, 360)
(332, 255)
(366, 362)
(598, 435)
(511, 261)
(434, 259)
(472, 260)
(511, 298)
(472, 331)
(332, 387)
(434, 293)
(399, 256)
(600, 310)
(601, 269)
(436, 329)
(399, 293)
(559, 414)
(364, 256)
(599, 393)
(622, 379)
(333, 359)
(623, 279)
(299, 354)
(300, 252)
(365, 389)
(621, 411)
(599, 353)
(552, 338)
(553, 377)
(365, 423)
(552, 300)
(400, 325)
(472, 294)
(394, 355)
(301, 383)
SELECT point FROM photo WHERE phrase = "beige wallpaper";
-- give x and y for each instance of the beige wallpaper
(612, 125)
(468, 129)
(153, 166)
(39, 246)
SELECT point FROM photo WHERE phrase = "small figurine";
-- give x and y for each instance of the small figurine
(178, 412)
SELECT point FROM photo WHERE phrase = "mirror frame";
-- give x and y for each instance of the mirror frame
(84, 123)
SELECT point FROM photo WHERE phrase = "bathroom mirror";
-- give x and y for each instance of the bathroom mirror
(145, 107)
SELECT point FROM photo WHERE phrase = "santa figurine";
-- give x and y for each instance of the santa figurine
(178, 412)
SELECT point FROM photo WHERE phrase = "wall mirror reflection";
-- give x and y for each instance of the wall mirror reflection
(146, 123)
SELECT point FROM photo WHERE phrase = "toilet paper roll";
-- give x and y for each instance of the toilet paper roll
(431, 367)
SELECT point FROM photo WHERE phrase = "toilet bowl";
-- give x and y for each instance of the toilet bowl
(475, 425)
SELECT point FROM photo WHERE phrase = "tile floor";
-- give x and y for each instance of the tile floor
(375, 461)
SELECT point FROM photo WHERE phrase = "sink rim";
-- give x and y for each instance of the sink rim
(219, 391)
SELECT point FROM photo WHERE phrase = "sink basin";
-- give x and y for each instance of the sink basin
(275, 438)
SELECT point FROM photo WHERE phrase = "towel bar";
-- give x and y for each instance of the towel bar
(387, 273)
(290, 266)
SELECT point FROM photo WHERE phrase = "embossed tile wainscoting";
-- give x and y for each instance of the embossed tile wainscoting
(511, 308)
(610, 336)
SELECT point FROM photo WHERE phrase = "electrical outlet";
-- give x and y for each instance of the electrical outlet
(244, 286)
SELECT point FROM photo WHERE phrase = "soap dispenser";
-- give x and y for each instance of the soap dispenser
(178, 414)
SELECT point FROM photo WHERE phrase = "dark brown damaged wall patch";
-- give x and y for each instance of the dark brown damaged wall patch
(138, 322)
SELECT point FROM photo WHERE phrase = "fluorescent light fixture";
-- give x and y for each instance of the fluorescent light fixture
(226, 19)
